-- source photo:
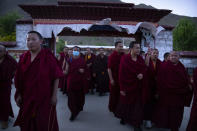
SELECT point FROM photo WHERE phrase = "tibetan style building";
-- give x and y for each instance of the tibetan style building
(75, 18)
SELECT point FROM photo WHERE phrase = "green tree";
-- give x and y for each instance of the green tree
(8, 26)
(185, 36)
(60, 46)
(11, 37)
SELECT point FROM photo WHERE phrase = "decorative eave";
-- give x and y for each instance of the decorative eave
(167, 27)
(95, 3)
(24, 21)
(61, 21)
(188, 54)
(83, 32)
(8, 44)
(71, 12)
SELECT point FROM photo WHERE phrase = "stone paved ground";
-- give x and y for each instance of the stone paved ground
(95, 116)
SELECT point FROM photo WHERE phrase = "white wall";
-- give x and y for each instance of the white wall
(163, 43)
(21, 32)
(189, 62)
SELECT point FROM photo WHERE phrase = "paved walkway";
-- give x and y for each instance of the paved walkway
(95, 116)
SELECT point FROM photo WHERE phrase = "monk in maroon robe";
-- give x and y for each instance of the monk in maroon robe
(65, 69)
(113, 71)
(153, 64)
(63, 80)
(192, 126)
(75, 83)
(7, 69)
(90, 58)
(70, 55)
(36, 83)
(173, 91)
(133, 87)
(100, 71)
(166, 57)
(63, 56)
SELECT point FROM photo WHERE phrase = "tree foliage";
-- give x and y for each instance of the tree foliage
(11, 37)
(185, 36)
(8, 26)
(60, 45)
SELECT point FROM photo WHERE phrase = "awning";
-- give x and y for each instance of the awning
(103, 26)
(8, 44)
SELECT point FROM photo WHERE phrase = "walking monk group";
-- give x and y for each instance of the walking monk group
(36, 82)
(139, 89)
(7, 69)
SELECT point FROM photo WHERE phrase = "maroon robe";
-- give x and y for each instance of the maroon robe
(152, 78)
(34, 82)
(89, 71)
(172, 85)
(62, 57)
(76, 85)
(130, 107)
(62, 81)
(102, 78)
(113, 64)
(192, 125)
(7, 70)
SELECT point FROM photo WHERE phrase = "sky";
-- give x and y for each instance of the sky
(180, 7)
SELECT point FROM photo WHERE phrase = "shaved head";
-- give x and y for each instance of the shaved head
(174, 57)
(167, 56)
(2, 51)
(88, 50)
(65, 49)
(154, 54)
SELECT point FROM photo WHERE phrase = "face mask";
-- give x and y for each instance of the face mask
(75, 53)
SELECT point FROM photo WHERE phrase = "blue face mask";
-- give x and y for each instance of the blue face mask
(75, 53)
